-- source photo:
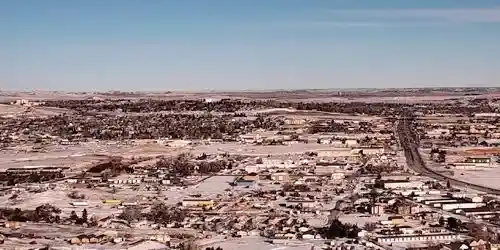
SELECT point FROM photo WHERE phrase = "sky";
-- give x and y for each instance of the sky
(164, 45)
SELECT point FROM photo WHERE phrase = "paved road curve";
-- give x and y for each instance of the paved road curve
(409, 143)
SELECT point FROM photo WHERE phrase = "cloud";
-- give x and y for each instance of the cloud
(354, 24)
(311, 24)
(465, 15)
(380, 18)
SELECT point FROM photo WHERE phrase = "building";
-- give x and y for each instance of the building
(461, 205)
(251, 138)
(351, 142)
(253, 168)
(338, 176)
(479, 212)
(125, 181)
(245, 183)
(295, 121)
(479, 161)
(407, 209)
(198, 203)
(79, 203)
(303, 203)
(178, 143)
(36, 169)
(388, 239)
(369, 150)
(338, 152)
(280, 177)
(479, 245)
(464, 166)
(377, 210)
(112, 202)
(396, 220)
(402, 184)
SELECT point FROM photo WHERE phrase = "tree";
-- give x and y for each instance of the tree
(370, 226)
(75, 195)
(453, 223)
(93, 221)
(73, 216)
(163, 214)
(441, 221)
(84, 216)
(45, 212)
(442, 156)
(130, 214)
(339, 230)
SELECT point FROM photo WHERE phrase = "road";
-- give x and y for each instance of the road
(409, 142)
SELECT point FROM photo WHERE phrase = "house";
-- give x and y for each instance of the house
(198, 203)
(494, 246)
(280, 177)
(327, 140)
(479, 245)
(351, 142)
(338, 176)
(253, 168)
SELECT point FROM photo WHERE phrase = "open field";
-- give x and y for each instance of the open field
(482, 176)
(366, 95)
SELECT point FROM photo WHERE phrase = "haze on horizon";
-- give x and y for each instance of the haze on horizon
(261, 44)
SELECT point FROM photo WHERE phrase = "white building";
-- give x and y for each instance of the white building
(338, 176)
(454, 206)
(416, 238)
(403, 184)
(253, 168)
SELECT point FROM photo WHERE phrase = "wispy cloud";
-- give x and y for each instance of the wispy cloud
(311, 24)
(350, 24)
(468, 15)
(380, 18)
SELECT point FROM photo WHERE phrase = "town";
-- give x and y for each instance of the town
(232, 172)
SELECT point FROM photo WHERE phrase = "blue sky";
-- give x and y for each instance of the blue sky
(157, 45)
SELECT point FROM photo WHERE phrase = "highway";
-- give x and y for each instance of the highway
(409, 142)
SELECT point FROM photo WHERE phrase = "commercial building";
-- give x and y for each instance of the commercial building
(416, 238)
(402, 184)
(198, 203)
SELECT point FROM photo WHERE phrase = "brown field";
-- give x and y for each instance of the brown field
(484, 151)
